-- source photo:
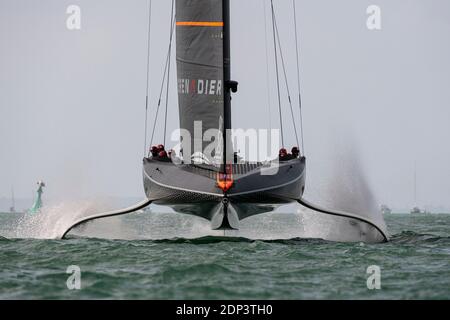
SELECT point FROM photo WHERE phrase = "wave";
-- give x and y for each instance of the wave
(214, 240)
(54, 219)
(405, 237)
(203, 240)
(411, 237)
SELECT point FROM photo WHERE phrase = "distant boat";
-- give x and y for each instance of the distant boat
(416, 209)
(385, 209)
(36, 208)
(12, 209)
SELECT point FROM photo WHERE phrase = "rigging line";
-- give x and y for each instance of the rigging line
(172, 22)
(159, 99)
(266, 41)
(160, 93)
(277, 73)
(298, 78)
(286, 82)
(148, 74)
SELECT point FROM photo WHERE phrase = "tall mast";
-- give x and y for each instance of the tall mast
(415, 184)
(226, 75)
(230, 86)
(13, 200)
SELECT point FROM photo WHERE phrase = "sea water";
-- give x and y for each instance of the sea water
(169, 256)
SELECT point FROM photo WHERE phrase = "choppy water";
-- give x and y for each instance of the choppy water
(414, 265)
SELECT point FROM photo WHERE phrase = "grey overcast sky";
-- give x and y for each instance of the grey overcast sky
(72, 102)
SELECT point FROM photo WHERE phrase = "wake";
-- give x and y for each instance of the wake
(55, 219)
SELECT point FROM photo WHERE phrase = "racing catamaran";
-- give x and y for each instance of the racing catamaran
(206, 178)
(12, 209)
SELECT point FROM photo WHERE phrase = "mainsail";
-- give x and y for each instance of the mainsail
(200, 71)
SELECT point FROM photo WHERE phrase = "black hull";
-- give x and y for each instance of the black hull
(193, 190)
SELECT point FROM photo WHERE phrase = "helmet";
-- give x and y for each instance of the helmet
(154, 151)
(162, 154)
(283, 152)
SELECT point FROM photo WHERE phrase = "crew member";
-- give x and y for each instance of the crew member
(283, 154)
(154, 151)
(295, 152)
(162, 156)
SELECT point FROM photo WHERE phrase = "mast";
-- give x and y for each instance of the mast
(13, 201)
(227, 63)
(415, 184)
(230, 85)
(226, 76)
